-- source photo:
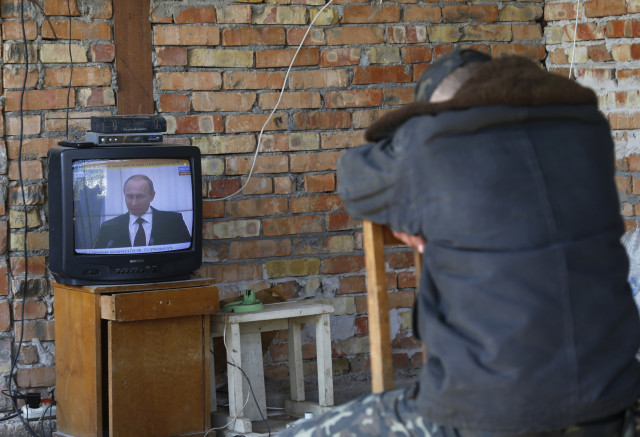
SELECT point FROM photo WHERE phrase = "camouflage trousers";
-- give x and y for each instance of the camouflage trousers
(392, 414)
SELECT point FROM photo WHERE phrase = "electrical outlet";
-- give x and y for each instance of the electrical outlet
(37, 413)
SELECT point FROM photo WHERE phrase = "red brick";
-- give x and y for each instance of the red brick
(172, 56)
(31, 147)
(398, 96)
(244, 36)
(234, 14)
(36, 377)
(422, 13)
(530, 51)
(406, 34)
(341, 140)
(13, 30)
(264, 164)
(283, 57)
(31, 170)
(318, 79)
(252, 80)
(407, 280)
(340, 57)
(351, 285)
(371, 14)
(11, 9)
(364, 119)
(600, 53)
(605, 8)
(196, 15)
(470, 13)
(319, 161)
(4, 279)
(415, 54)
(58, 7)
(212, 209)
(291, 100)
(189, 80)
(42, 329)
(32, 310)
(204, 35)
(38, 99)
(526, 32)
(314, 38)
(381, 74)
(255, 122)
(309, 120)
(5, 316)
(223, 188)
(15, 78)
(586, 31)
(362, 325)
(102, 52)
(623, 28)
(347, 36)
(341, 221)
(82, 76)
(315, 203)
(320, 183)
(258, 207)
(259, 249)
(292, 225)
(342, 264)
(560, 11)
(193, 124)
(257, 185)
(79, 30)
(174, 103)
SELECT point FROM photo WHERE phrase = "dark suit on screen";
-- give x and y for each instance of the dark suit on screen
(167, 228)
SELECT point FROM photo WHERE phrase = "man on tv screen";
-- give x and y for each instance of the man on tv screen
(143, 225)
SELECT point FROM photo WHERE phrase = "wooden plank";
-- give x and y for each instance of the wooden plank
(156, 377)
(127, 288)
(323, 359)
(296, 375)
(160, 304)
(78, 363)
(282, 310)
(377, 308)
(132, 37)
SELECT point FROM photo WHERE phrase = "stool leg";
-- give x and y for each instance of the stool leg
(323, 351)
(296, 376)
(234, 376)
(253, 366)
(213, 404)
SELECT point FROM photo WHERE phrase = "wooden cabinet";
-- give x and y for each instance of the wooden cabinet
(133, 360)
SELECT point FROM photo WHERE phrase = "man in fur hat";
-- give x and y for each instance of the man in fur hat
(503, 175)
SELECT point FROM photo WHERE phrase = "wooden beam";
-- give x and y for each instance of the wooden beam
(377, 307)
(132, 36)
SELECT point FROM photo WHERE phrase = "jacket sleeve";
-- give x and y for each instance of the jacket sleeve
(371, 185)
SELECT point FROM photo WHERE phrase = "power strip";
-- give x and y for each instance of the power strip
(37, 413)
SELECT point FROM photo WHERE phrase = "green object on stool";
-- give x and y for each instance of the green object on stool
(247, 304)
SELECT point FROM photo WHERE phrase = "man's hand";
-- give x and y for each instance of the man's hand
(414, 241)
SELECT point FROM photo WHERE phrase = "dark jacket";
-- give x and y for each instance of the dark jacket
(167, 228)
(523, 306)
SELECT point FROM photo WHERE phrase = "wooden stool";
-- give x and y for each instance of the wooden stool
(244, 349)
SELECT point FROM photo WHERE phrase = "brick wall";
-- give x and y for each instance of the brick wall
(217, 74)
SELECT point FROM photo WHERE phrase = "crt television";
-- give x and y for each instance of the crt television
(91, 234)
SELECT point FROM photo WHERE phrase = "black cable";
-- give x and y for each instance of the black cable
(250, 389)
(8, 417)
(14, 358)
(70, 69)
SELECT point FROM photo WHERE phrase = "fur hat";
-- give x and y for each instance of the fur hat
(445, 65)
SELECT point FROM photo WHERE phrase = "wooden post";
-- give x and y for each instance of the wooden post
(132, 37)
(377, 307)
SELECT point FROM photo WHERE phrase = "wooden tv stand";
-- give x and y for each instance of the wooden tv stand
(133, 360)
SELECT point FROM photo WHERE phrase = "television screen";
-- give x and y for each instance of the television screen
(110, 195)
(124, 214)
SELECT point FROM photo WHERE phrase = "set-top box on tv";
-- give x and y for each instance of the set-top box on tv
(129, 124)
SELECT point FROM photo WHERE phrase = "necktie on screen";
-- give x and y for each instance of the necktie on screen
(141, 238)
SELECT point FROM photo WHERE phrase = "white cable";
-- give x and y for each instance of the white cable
(255, 155)
(575, 34)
